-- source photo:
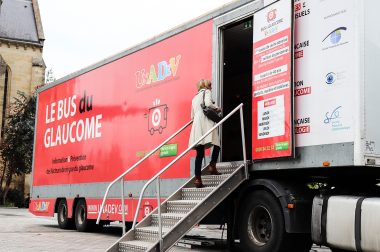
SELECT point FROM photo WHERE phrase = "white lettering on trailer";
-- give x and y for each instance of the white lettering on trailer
(108, 208)
(75, 131)
(66, 107)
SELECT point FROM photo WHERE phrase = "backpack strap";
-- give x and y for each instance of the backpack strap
(203, 103)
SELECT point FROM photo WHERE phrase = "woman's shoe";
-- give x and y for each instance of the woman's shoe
(212, 169)
(198, 182)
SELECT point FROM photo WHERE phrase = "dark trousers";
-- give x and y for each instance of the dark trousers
(200, 155)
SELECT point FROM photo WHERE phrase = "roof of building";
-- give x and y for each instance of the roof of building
(20, 20)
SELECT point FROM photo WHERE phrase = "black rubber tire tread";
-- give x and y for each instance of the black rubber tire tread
(66, 223)
(279, 240)
(87, 225)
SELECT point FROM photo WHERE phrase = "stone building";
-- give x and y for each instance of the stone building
(21, 64)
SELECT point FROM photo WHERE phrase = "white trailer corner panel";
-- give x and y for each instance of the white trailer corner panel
(326, 71)
(371, 59)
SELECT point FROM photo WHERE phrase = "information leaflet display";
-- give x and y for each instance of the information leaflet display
(272, 82)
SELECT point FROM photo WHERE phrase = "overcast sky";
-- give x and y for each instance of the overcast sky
(79, 33)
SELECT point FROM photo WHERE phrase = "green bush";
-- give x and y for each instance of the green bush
(15, 198)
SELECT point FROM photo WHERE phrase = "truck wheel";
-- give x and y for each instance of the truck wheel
(262, 227)
(62, 217)
(81, 222)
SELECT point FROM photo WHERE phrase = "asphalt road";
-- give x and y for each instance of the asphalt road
(23, 232)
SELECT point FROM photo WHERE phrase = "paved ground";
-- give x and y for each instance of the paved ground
(23, 232)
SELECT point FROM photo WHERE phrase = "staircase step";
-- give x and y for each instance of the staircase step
(228, 167)
(181, 206)
(196, 193)
(149, 233)
(167, 219)
(213, 180)
(135, 245)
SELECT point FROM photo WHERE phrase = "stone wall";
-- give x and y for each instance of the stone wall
(27, 71)
(26, 64)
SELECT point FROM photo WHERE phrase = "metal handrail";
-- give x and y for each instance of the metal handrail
(121, 177)
(157, 176)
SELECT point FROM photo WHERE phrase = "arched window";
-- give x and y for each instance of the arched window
(5, 77)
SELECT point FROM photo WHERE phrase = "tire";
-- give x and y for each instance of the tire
(261, 226)
(83, 224)
(62, 216)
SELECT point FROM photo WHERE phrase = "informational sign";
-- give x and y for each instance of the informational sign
(325, 74)
(272, 106)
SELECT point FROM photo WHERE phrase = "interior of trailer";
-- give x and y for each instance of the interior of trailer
(236, 87)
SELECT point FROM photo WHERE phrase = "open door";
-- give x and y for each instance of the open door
(257, 70)
(237, 87)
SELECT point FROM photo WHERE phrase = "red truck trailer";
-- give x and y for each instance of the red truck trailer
(305, 72)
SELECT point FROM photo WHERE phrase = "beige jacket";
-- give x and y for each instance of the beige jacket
(201, 124)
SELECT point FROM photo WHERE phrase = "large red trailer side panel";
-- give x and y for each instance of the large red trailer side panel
(95, 126)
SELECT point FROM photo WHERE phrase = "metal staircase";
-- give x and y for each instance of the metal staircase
(182, 210)
(174, 217)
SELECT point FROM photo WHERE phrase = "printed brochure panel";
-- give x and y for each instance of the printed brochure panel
(95, 126)
(272, 82)
(326, 72)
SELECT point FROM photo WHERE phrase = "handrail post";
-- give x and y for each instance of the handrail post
(122, 204)
(159, 212)
(243, 141)
(102, 206)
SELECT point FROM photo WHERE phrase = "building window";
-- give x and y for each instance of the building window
(7, 75)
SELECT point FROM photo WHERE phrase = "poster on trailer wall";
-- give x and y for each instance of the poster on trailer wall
(272, 77)
(325, 73)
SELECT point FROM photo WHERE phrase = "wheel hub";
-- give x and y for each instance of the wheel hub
(81, 215)
(260, 225)
(63, 213)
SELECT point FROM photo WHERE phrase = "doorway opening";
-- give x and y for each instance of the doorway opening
(236, 82)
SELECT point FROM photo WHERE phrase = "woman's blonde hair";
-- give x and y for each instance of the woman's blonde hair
(203, 84)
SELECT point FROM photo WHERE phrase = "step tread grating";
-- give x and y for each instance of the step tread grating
(181, 206)
(203, 189)
(196, 193)
(184, 202)
(134, 245)
(152, 229)
(170, 215)
(229, 164)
